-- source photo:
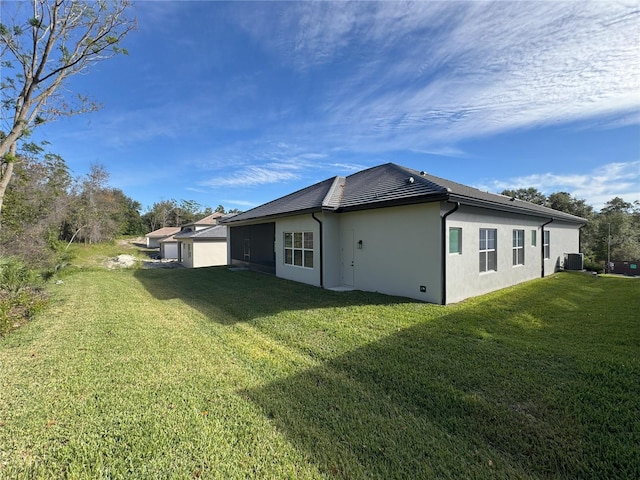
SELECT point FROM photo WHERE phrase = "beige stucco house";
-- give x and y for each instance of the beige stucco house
(153, 238)
(205, 247)
(402, 232)
(202, 243)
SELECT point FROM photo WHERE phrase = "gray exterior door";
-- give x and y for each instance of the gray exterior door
(346, 252)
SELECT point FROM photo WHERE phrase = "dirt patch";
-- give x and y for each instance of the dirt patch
(121, 261)
(150, 258)
(129, 261)
(162, 263)
(138, 242)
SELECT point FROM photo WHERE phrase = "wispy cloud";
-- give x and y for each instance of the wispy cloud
(397, 75)
(435, 72)
(240, 203)
(237, 94)
(596, 187)
(346, 167)
(253, 176)
(254, 163)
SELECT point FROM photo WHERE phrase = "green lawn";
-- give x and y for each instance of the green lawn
(210, 373)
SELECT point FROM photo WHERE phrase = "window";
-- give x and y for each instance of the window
(534, 238)
(488, 250)
(546, 242)
(298, 249)
(518, 247)
(455, 240)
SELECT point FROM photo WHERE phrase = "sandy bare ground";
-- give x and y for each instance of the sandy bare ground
(128, 261)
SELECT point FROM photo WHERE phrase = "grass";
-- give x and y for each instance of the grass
(95, 255)
(209, 373)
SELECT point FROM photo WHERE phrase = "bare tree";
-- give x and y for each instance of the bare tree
(36, 206)
(45, 43)
(94, 208)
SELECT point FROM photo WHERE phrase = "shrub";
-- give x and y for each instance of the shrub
(593, 267)
(14, 275)
(20, 298)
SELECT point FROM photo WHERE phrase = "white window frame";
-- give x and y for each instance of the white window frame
(518, 247)
(534, 238)
(298, 249)
(546, 243)
(488, 253)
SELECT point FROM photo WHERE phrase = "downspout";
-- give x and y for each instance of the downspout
(542, 246)
(313, 215)
(443, 257)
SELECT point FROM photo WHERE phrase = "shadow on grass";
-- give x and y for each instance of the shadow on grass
(227, 296)
(438, 401)
(536, 381)
(422, 404)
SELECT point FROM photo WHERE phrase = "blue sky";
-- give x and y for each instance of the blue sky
(240, 103)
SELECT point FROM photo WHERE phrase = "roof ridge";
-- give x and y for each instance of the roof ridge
(375, 167)
(333, 198)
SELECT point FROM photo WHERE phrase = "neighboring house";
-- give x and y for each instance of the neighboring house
(153, 238)
(402, 232)
(169, 248)
(203, 248)
(206, 222)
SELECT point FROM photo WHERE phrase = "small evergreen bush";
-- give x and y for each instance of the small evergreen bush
(20, 295)
(593, 267)
(14, 275)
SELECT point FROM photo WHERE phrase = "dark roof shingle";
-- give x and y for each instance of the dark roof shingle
(307, 199)
(388, 185)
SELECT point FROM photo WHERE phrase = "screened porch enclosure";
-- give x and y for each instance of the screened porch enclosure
(253, 246)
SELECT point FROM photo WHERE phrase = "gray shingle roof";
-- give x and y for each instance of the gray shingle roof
(211, 233)
(388, 185)
(169, 239)
(306, 200)
(163, 232)
(472, 196)
(208, 220)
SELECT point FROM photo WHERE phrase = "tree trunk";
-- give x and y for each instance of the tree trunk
(5, 178)
(73, 237)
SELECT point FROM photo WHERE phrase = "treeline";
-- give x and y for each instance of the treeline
(173, 213)
(612, 234)
(45, 208)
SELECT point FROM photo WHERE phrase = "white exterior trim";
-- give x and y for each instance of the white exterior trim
(299, 223)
